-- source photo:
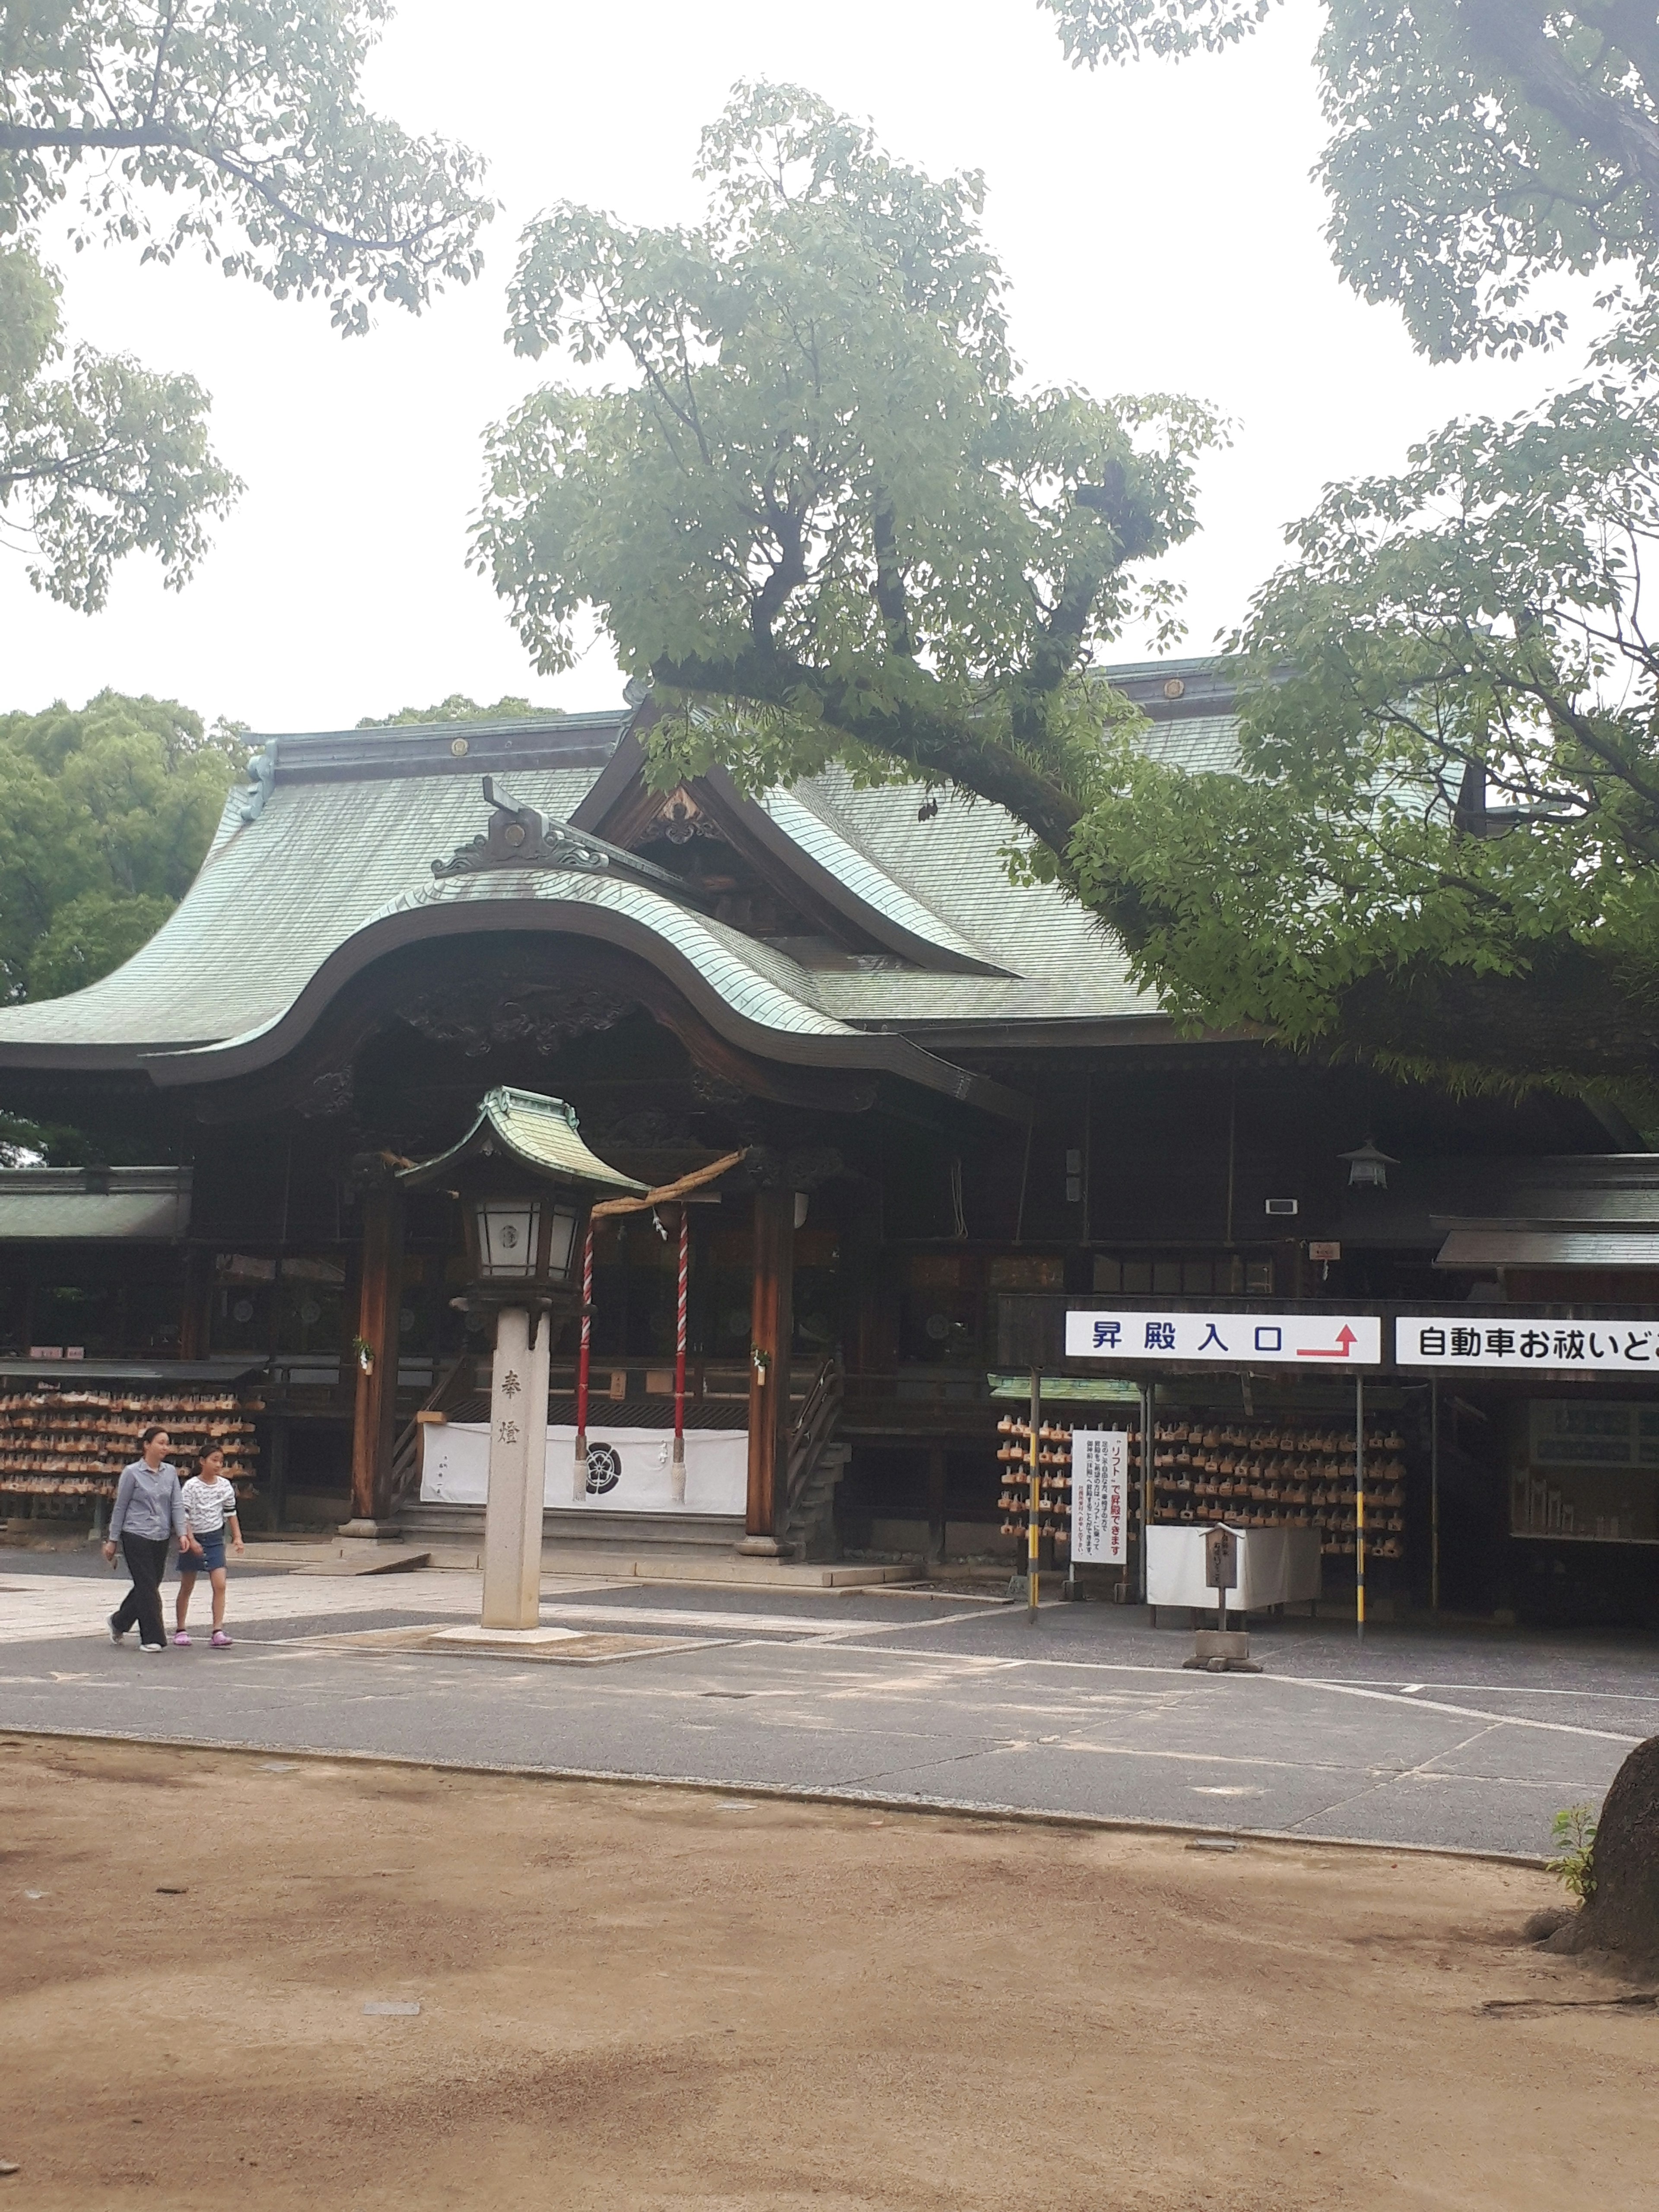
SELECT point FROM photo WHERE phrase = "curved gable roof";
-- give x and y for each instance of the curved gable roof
(330, 851)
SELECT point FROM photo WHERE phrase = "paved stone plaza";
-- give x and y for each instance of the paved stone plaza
(1459, 1738)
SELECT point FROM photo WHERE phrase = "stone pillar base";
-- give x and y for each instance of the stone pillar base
(518, 1472)
(1223, 1651)
(383, 1531)
(763, 1548)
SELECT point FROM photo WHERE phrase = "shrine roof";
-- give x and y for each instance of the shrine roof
(332, 843)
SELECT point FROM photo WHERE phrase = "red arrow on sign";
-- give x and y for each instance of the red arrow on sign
(1346, 1341)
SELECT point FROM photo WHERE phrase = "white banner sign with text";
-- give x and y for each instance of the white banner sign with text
(1311, 1340)
(1583, 1347)
(1100, 1496)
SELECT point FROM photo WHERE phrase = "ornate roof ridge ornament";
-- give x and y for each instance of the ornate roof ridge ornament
(520, 837)
(260, 777)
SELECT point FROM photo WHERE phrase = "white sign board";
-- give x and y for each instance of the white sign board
(1100, 1496)
(1257, 1340)
(1570, 1348)
(629, 1470)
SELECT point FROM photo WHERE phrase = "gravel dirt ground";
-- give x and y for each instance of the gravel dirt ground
(660, 1998)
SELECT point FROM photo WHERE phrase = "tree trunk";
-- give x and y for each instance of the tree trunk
(1622, 1911)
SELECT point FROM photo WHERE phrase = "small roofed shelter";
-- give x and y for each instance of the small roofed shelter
(97, 1262)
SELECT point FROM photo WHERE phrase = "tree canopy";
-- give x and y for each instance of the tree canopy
(1476, 145)
(106, 812)
(458, 707)
(236, 129)
(819, 507)
(1443, 852)
(821, 503)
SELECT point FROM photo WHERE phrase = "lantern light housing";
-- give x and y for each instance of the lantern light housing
(1368, 1168)
(526, 1184)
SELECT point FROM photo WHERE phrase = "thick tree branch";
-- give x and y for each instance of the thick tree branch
(1632, 26)
(16, 137)
(891, 602)
(1513, 39)
(937, 745)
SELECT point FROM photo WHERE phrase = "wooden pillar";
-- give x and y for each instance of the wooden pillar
(772, 1323)
(196, 1318)
(374, 1415)
(276, 1470)
(936, 1473)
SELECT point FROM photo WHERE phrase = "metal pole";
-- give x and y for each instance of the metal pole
(1031, 1521)
(579, 1470)
(1434, 1493)
(677, 1478)
(1359, 1504)
(1147, 1454)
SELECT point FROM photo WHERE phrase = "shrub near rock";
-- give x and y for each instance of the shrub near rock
(1621, 1905)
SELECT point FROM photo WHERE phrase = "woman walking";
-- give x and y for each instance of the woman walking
(149, 1513)
(210, 1501)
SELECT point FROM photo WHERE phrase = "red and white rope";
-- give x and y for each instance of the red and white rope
(583, 1358)
(678, 1479)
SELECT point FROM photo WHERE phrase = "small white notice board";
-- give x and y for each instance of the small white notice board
(1100, 1496)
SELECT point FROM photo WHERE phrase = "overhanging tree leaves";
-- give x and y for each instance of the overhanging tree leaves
(1444, 852)
(104, 460)
(1471, 631)
(235, 128)
(823, 505)
(1475, 145)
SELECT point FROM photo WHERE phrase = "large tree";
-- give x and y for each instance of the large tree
(1445, 852)
(820, 509)
(1476, 145)
(820, 505)
(236, 129)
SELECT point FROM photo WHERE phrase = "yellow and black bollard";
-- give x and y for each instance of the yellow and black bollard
(1359, 1504)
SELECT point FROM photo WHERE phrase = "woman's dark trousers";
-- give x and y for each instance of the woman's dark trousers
(147, 1562)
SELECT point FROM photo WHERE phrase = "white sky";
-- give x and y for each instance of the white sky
(1157, 222)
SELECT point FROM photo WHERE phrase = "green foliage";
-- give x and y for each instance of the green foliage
(458, 707)
(820, 506)
(1442, 851)
(235, 128)
(1476, 144)
(102, 460)
(105, 815)
(92, 934)
(1573, 1833)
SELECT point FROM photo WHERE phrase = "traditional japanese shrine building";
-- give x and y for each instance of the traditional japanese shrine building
(956, 1111)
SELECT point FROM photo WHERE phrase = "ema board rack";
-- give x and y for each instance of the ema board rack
(1054, 1479)
(1269, 1475)
(73, 1443)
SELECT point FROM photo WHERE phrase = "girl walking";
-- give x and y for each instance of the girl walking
(149, 1515)
(210, 1501)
